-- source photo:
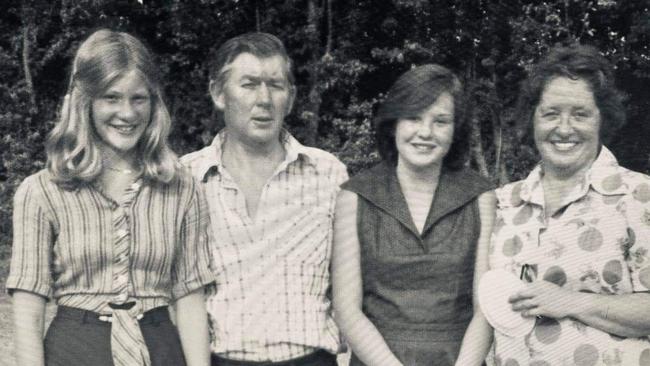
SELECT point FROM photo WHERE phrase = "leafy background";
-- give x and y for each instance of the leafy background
(347, 54)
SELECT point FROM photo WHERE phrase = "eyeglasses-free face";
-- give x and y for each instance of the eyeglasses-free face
(422, 141)
(255, 98)
(566, 126)
(122, 112)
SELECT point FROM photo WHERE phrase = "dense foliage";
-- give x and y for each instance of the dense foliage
(347, 53)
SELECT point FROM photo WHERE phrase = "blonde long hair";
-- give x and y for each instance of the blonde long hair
(73, 154)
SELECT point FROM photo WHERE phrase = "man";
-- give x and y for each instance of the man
(271, 203)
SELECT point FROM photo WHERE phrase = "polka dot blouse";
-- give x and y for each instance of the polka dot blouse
(598, 242)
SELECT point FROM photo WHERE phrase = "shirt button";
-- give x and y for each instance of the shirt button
(122, 232)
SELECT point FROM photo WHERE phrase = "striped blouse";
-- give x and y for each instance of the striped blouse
(63, 243)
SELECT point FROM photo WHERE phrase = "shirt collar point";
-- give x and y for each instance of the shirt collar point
(210, 158)
(604, 175)
(528, 190)
(611, 185)
(295, 150)
(206, 169)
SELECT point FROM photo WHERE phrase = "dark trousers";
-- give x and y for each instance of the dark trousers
(78, 338)
(318, 358)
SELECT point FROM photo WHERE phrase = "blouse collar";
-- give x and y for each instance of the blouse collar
(603, 176)
(380, 186)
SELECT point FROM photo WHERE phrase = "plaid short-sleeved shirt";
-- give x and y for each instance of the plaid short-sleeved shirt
(63, 243)
(272, 273)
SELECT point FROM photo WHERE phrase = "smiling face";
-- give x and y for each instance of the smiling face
(422, 141)
(566, 126)
(122, 112)
(255, 98)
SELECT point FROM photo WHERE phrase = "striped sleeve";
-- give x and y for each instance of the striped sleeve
(191, 269)
(33, 237)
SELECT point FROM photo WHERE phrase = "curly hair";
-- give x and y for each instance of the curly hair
(73, 154)
(575, 62)
(412, 93)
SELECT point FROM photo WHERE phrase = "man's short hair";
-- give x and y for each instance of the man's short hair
(261, 45)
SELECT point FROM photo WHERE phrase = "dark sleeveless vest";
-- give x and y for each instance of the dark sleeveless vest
(417, 289)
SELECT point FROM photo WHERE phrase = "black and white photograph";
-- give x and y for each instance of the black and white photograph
(325, 183)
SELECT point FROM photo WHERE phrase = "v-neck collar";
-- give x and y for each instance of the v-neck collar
(380, 186)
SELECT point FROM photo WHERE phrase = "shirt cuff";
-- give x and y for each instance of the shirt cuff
(29, 285)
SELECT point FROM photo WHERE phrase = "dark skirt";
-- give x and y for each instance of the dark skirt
(79, 338)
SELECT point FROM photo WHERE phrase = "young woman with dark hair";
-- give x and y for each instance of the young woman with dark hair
(407, 231)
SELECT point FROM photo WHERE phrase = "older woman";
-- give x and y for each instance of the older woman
(406, 231)
(579, 221)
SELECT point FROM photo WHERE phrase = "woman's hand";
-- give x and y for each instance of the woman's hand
(542, 298)
(625, 315)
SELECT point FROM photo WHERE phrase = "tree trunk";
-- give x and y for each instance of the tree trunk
(258, 22)
(314, 102)
(330, 30)
(497, 131)
(499, 163)
(476, 146)
(28, 27)
(475, 137)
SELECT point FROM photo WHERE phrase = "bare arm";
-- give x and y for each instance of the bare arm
(29, 316)
(366, 342)
(478, 337)
(191, 273)
(192, 322)
(30, 274)
(624, 315)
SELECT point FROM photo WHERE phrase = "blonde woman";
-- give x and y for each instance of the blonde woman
(112, 230)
